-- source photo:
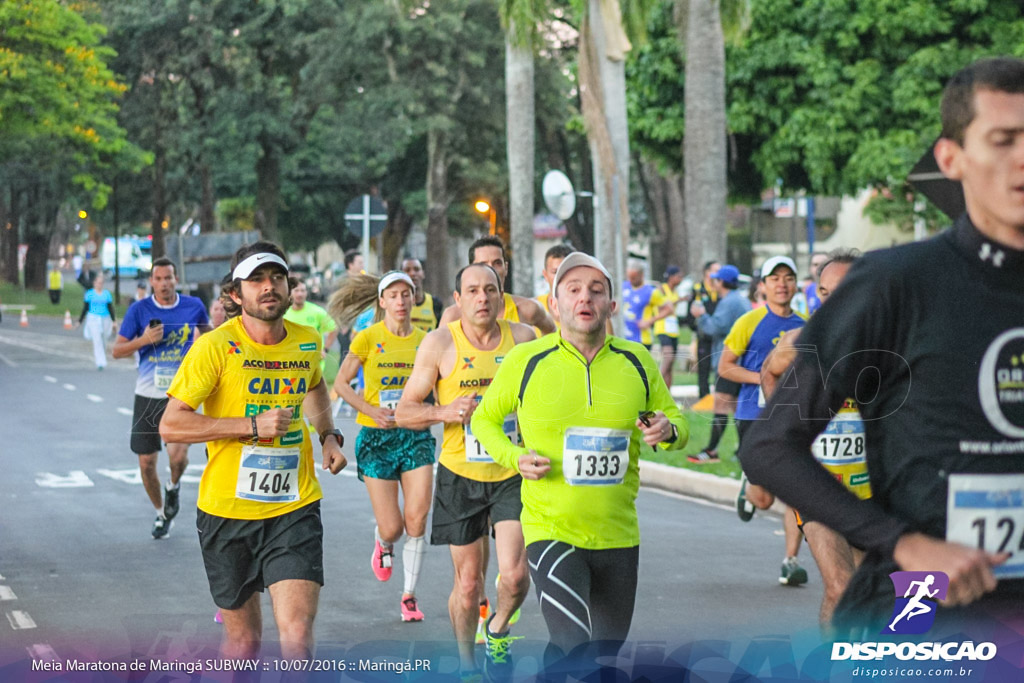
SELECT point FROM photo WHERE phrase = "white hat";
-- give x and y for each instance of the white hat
(244, 269)
(393, 277)
(575, 260)
(774, 262)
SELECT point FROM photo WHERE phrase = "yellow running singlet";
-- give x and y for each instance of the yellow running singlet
(473, 372)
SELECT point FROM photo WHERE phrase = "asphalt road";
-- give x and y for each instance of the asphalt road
(80, 576)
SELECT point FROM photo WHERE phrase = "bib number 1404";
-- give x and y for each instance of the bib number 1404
(986, 511)
(268, 475)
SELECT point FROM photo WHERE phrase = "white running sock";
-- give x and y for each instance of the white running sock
(383, 544)
(412, 559)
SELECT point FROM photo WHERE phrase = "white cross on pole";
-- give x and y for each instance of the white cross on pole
(366, 217)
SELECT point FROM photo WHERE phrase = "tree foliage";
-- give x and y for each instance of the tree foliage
(58, 126)
(838, 95)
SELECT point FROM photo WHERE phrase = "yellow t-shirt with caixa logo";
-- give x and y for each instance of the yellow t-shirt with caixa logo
(230, 375)
(387, 361)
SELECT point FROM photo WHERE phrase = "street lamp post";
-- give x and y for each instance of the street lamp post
(484, 207)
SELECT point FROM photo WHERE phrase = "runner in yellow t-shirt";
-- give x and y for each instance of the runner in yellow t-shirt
(387, 456)
(256, 377)
(426, 309)
(491, 251)
(473, 494)
(666, 330)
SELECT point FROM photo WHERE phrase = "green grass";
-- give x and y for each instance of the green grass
(700, 430)
(70, 300)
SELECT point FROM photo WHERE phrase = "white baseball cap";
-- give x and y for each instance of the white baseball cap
(391, 278)
(774, 262)
(575, 260)
(244, 269)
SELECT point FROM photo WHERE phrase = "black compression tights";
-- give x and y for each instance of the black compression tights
(585, 596)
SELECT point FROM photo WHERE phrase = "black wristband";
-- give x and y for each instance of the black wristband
(255, 434)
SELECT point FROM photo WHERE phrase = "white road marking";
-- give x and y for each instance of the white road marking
(69, 387)
(8, 361)
(128, 476)
(20, 620)
(42, 652)
(94, 398)
(50, 379)
(74, 479)
(14, 341)
(126, 411)
(7, 594)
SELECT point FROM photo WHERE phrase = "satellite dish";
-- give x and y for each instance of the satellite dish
(559, 196)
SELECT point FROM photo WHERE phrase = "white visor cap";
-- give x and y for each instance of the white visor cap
(393, 277)
(244, 269)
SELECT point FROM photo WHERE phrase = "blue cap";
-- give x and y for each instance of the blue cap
(672, 270)
(726, 273)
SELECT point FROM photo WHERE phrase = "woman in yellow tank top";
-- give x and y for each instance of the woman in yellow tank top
(388, 456)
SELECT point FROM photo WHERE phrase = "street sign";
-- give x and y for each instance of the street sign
(927, 179)
(366, 210)
(366, 217)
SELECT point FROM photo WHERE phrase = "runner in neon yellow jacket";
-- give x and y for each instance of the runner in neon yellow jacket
(579, 396)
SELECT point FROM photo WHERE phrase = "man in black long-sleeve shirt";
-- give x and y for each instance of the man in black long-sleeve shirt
(929, 339)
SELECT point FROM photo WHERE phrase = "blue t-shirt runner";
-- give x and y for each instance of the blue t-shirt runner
(634, 301)
(752, 338)
(159, 363)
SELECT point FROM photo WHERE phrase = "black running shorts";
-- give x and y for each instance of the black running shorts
(727, 386)
(146, 424)
(464, 507)
(243, 556)
(668, 340)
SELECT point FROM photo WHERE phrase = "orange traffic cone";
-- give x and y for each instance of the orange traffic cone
(67, 320)
(24, 318)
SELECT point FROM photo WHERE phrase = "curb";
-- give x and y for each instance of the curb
(697, 484)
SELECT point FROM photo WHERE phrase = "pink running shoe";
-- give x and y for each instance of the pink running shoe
(411, 610)
(381, 562)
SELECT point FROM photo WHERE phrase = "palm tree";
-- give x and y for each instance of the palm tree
(704, 145)
(520, 19)
(602, 78)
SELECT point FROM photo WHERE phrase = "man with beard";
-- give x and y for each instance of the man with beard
(259, 511)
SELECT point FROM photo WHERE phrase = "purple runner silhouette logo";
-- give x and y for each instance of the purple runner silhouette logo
(917, 595)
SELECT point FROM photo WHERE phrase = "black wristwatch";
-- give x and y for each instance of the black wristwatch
(336, 433)
(675, 433)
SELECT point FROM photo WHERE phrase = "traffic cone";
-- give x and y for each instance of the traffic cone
(24, 318)
(67, 320)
